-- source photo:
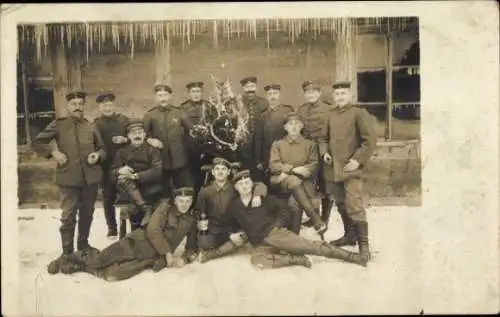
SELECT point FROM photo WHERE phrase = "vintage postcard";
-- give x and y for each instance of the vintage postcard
(284, 158)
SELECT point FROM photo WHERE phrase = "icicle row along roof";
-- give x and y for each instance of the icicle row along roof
(132, 33)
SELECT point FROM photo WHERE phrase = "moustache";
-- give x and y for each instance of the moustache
(138, 138)
(78, 110)
(250, 91)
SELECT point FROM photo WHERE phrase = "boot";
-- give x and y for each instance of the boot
(207, 255)
(326, 208)
(147, 215)
(305, 203)
(54, 266)
(295, 220)
(349, 237)
(302, 260)
(333, 252)
(362, 236)
(130, 187)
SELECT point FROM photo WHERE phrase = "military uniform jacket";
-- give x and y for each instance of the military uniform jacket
(288, 153)
(195, 113)
(257, 222)
(165, 231)
(108, 127)
(76, 138)
(169, 125)
(269, 130)
(145, 160)
(255, 108)
(213, 200)
(350, 134)
(315, 116)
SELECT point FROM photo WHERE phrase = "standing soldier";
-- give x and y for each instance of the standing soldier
(195, 109)
(350, 142)
(270, 128)
(79, 153)
(255, 105)
(293, 164)
(166, 126)
(315, 113)
(111, 126)
(136, 170)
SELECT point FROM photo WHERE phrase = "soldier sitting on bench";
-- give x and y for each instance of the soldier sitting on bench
(136, 170)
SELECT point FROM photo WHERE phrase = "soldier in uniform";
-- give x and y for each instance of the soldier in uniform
(79, 150)
(146, 248)
(111, 125)
(212, 202)
(255, 105)
(166, 126)
(293, 164)
(315, 113)
(351, 140)
(270, 128)
(273, 245)
(195, 108)
(136, 171)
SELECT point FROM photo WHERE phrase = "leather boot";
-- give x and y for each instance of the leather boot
(147, 215)
(130, 187)
(295, 220)
(82, 241)
(362, 236)
(326, 208)
(349, 237)
(224, 249)
(302, 260)
(333, 252)
(305, 203)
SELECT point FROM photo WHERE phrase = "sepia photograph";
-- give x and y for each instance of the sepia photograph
(208, 166)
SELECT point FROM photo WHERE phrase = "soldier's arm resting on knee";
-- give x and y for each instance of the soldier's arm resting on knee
(260, 190)
(309, 169)
(275, 164)
(155, 227)
(365, 124)
(155, 171)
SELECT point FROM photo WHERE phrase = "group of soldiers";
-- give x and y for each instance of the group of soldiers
(296, 160)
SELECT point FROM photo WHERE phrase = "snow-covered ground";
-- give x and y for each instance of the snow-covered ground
(229, 286)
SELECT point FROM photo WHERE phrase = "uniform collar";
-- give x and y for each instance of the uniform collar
(219, 188)
(76, 119)
(292, 141)
(164, 109)
(343, 109)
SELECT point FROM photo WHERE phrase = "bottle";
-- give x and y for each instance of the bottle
(203, 224)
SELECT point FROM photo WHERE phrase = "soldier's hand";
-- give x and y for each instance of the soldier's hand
(327, 158)
(301, 170)
(237, 239)
(155, 143)
(351, 166)
(256, 201)
(119, 139)
(260, 166)
(169, 259)
(93, 158)
(282, 177)
(60, 157)
(126, 170)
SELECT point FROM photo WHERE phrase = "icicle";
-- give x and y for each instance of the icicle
(230, 29)
(226, 30)
(45, 39)
(267, 34)
(293, 31)
(188, 32)
(254, 29)
(183, 35)
(215, 33)
(87, 39)
(132, 44)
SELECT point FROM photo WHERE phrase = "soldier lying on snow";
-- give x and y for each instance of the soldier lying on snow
(144, 248)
